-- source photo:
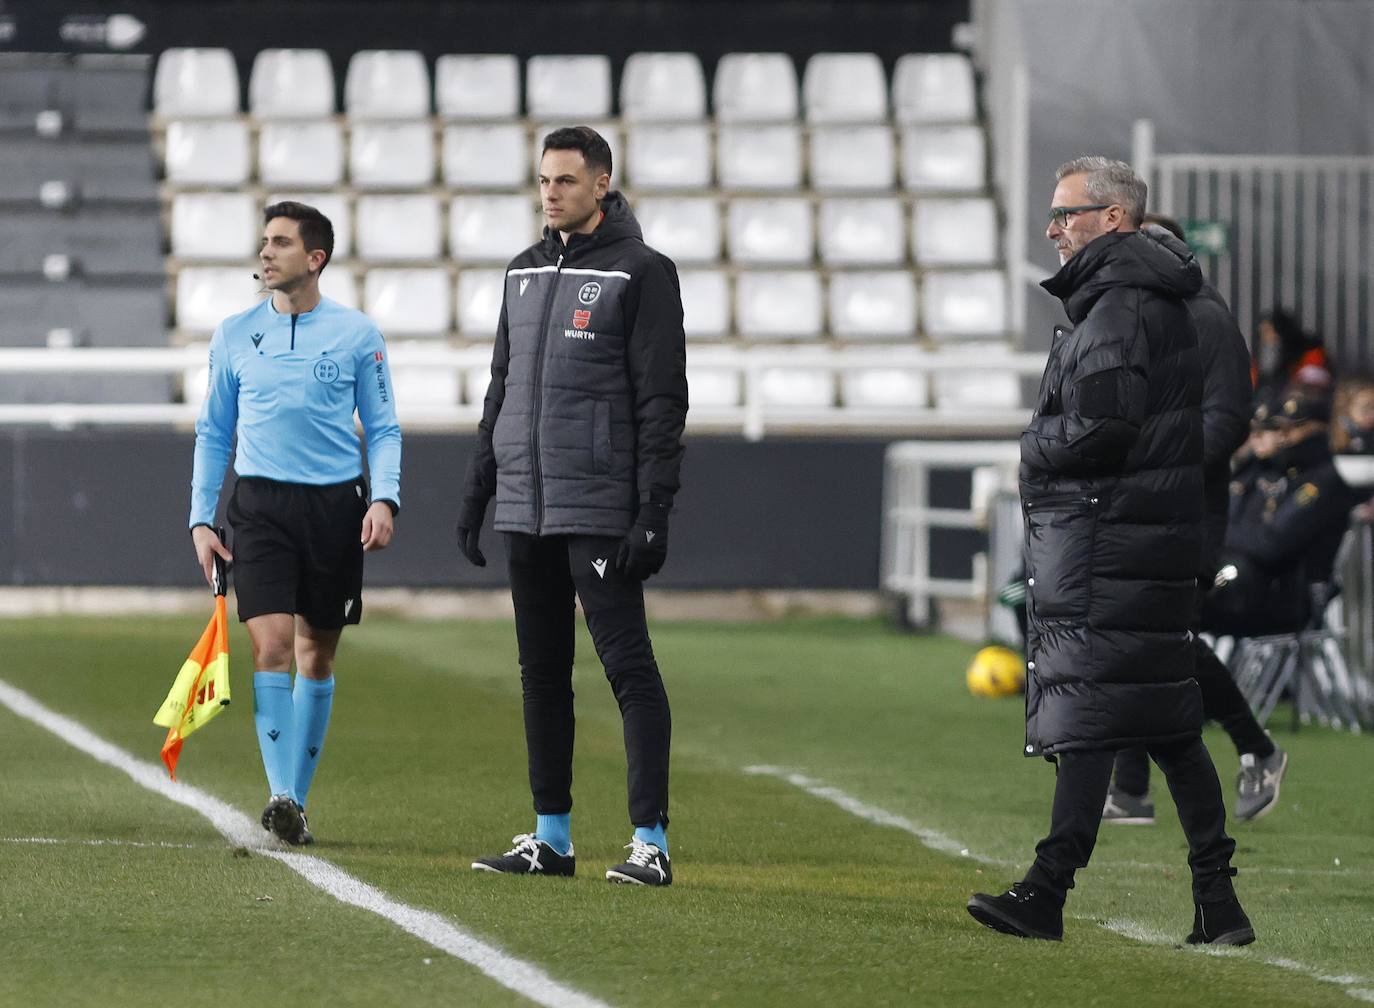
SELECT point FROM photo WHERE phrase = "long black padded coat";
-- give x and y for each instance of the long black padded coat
(1111, 490)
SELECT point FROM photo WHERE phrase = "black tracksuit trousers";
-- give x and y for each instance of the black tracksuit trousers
(1081, 788)
(547, 573)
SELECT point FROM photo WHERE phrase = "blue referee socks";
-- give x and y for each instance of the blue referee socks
(656, 835)
(314, 699)
(274, 719)
(554, 830)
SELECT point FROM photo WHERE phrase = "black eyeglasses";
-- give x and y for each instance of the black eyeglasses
(1060, 215)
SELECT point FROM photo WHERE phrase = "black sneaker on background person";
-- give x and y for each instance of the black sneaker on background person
(1024, 910)
(1257, 783)
(646, 865)
(530, 857)
(1220, 922)
(284, 818)
(1126, 809)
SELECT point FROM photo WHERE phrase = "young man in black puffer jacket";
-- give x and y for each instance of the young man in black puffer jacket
(1111, 486)
(581, 445)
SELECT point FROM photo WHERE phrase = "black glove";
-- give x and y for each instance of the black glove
(645, 547)
(469, 529)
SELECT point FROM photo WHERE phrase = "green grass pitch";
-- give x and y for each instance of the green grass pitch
(781, 897)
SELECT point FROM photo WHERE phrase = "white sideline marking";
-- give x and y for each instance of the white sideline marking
(93, 843)
(515, 974)
(935, 840)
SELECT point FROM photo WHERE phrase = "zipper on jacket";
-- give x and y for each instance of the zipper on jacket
(1059, 500)
(294, 316)
(539, 399)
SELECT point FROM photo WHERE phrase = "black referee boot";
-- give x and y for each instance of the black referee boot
(1024, 910)
(1220, 922)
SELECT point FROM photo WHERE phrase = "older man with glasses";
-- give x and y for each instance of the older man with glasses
(1111, 488)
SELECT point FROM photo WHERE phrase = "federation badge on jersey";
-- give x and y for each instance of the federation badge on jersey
(589, 292)
(1306, 494)
(581, 319)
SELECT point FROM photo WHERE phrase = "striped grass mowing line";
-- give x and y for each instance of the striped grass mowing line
(513, 973)
(1356, 986)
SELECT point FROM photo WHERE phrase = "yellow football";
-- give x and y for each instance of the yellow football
(996, 671)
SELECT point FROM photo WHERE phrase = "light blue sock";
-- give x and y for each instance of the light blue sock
(656, 835)
(273, 716)
(555, 830)
(314, 699)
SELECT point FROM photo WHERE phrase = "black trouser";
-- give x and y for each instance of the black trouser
(1222, 702)
(546, 572)
(1080, 789)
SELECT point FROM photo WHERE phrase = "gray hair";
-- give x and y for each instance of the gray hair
(1110, 181)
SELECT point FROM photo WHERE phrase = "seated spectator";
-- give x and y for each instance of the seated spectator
(1284, 356)
(1289, 511)
(1353, 432)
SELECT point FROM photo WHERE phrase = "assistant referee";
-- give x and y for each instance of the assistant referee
(287, 376)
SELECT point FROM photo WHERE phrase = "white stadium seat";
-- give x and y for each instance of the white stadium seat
(609, 132)
(662, 87)
(291, 84)
(476, 380)
(338, 283)
(477, 86)
(673, 156)
(685, 229)
(215, 226)
(933, 87)
(705, 304)
(419, 387)
(778, 231)
(755, 87)
(963, 304)
(478, 302)
(873, 306)
(207, 152)
(485, 156)
(490, 228)
(568, 87)
(852, 158)
(944, 159)
(398, 228)
(759, 157)
(809, 388)
(332, 205)
(713, 387)
(844, 87)
(409, 302)
(300, 153)
(976, 391)
(387, 84)
(391, 155)
(954, 232)
(195, 82)
(862, 232)
(207, 295)
(772, 306)
(883, 388)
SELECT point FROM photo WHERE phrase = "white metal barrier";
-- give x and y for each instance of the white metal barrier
(1290, 231)
(910, 522)
(752, 414)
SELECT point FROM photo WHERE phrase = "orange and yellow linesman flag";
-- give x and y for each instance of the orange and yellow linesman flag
(201, 689)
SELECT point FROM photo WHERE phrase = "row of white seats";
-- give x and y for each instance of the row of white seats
(864, 231)
(388, 155)
(395, 84)
(419, 387)
(764, 305)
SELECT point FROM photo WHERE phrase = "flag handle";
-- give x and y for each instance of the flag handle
(220, 582)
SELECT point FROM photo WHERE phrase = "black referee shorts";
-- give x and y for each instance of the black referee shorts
(297, 549)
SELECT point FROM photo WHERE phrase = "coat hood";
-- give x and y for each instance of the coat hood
(1124, 259)
(618, 222)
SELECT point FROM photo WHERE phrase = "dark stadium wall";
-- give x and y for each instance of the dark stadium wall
(109, 508)
(709, 28)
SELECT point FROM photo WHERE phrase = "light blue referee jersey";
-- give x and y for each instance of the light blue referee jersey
(290, 385)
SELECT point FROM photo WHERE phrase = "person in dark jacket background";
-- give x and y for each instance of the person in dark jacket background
(580, 443)
(1111, 487)
(1226, 409)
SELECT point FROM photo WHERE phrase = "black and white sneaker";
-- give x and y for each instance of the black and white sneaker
(530, 857)
(284, 818)
(646, 865)
(1257, 783)
(1126, 809)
